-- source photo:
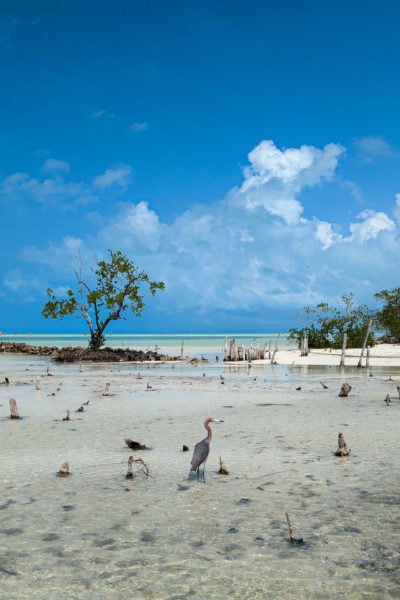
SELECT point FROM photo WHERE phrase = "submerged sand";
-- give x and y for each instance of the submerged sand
(96, 534)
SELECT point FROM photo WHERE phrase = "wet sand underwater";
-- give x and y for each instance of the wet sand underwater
(97, 534)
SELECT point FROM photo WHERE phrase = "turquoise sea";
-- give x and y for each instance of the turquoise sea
(193, 344)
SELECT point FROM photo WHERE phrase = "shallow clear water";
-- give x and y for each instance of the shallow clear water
(96, 534)
(188, 344)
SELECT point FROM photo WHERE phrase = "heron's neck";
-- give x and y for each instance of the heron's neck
(209, 432)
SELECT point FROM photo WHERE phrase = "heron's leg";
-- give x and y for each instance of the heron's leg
(204, 471)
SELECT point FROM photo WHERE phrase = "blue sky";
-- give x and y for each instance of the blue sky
(247, 153)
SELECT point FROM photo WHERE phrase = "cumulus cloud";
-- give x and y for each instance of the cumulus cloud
(275, 177)
(49, 190)
(250, 253)
(326, 235)
(117, 176)
(133, 225)
(53, 165)
(370, 226)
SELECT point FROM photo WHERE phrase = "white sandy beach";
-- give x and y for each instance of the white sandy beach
(380, 355)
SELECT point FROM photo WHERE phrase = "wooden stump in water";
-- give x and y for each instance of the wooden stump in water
(387, 400)
(222, 467)
(291, 533)
(345, 390)
(342, 450)
(64, 470)
(134, 445)
(13, 409)
(107, 390)
(129, 474)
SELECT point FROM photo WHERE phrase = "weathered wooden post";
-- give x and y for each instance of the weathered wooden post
(37, 384)
(341, 364)
(275, 350)
(222, 467)
(304, 346)
(345, 390)
(107, 390)
(129, 474)
(182, 344)
(64, 470)
(233, 354)
(13, 409)
(364, 344)
(342, 450)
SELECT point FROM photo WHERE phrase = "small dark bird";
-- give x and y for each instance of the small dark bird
(202, 449)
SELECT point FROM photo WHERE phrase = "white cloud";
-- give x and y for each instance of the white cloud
(139, 126)
(275, 177)
(49, 190)
(372, 223)
(396, 210)
(372, 146)
(252, 252)
(52, 165)
(59, 256)
(119, 176)
(326, 235)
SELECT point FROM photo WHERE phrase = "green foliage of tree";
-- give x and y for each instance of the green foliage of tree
(326, 325)
(388, 318)
(118, 286)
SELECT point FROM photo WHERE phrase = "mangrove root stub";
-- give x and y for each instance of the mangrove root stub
(13, 409)
(291, 533)
(222, 467)
(345, 389)
(342, 450)
(129, 474)
(134, 445)
(107, 390)
(64, 470)
(144, 468)
(387, 400)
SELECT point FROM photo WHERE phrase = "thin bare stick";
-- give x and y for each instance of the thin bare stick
(290, 527)
(291, 533)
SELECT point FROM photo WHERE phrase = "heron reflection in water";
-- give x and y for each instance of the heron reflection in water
(202, 449)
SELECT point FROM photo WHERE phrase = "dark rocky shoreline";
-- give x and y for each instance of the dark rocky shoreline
(85, 354)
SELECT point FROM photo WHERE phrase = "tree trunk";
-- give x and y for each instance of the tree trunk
(97, 340)
(343, 350)
(364, 344)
